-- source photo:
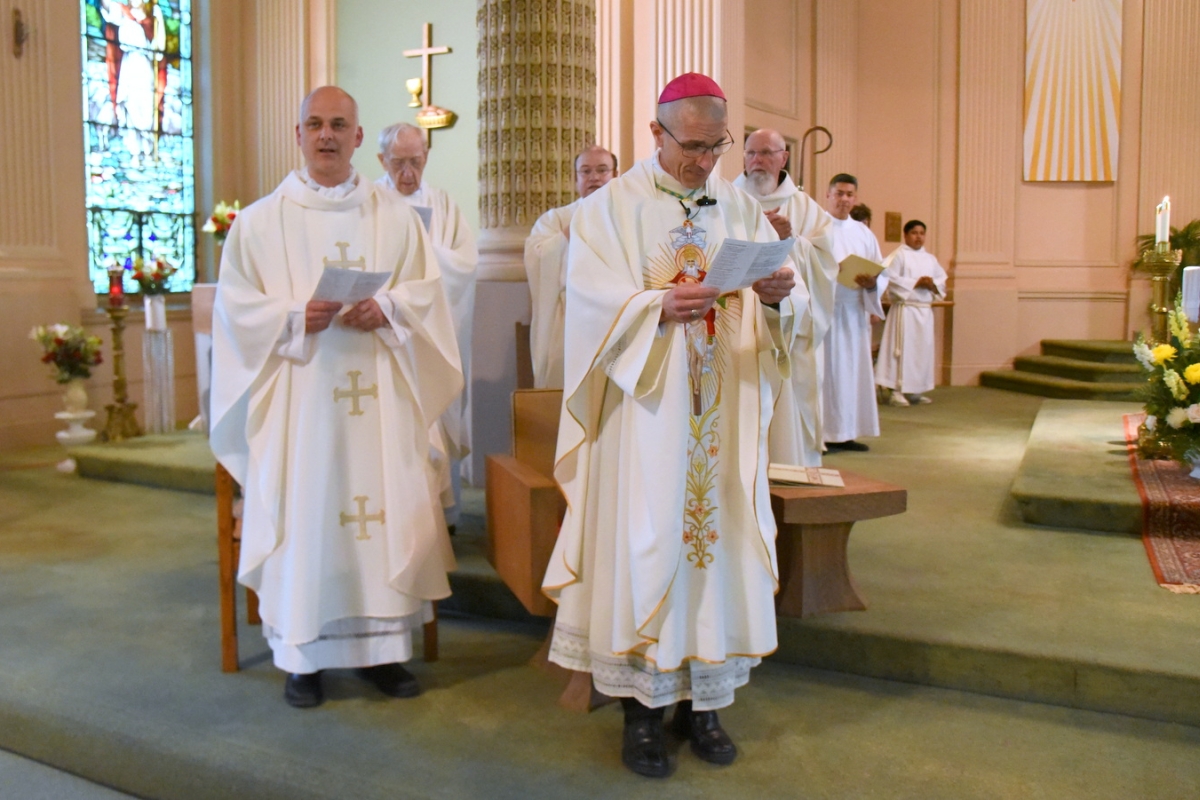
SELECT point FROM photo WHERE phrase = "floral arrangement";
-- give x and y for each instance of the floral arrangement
(152, 280)
(1172, 392)
(221, 220)
(72, 351)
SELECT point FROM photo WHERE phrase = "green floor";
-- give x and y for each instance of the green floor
(108, 647)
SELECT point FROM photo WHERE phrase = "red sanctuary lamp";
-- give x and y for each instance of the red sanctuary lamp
(121, 423)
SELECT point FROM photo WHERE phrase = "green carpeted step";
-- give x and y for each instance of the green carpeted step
(1081, 369)
(1052, 386)
(181, 460)
(1111, 351)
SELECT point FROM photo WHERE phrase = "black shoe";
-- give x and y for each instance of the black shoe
(702, 728)
(303, 690)
(391, 679)
(644, 747)
(857, 447)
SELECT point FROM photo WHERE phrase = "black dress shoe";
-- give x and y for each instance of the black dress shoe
(303, 690)
(391, 679)
(704, 731)
(644, 748)
(853, 446)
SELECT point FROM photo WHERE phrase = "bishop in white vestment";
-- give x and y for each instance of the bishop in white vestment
(546, 268)
(324, 420)
(906, 357)
(403, 153)
(665, 569)
(848, 388)
(796, 436)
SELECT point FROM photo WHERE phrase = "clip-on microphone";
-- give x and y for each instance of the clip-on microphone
(706, 201)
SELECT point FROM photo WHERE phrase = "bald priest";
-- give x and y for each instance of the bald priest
(665, 569)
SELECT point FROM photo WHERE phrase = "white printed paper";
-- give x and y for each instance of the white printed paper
(426, 215)
(348, 286)
(739, 263)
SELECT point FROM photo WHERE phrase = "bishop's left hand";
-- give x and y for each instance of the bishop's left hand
(365, 316)
(778, 285)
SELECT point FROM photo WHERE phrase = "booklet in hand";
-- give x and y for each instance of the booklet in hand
(348, 286)
(739, 263)
(852, 266)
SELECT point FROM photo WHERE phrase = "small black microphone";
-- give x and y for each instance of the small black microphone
(706, 201)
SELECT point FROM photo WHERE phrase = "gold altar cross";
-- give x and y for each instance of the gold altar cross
(359, 263)
(354, 393)
(361, 518)
(426, 52)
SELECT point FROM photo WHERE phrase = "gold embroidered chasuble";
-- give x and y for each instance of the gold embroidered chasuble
(665, 566)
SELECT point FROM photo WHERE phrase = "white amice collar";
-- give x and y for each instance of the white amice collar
(338, 192)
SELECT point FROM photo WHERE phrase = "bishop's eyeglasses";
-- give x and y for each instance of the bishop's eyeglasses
(698, 149)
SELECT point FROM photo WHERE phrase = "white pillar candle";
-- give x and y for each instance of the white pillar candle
(1162, 221)
(1191, 293)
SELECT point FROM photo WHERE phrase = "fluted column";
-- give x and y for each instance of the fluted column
(537, 109)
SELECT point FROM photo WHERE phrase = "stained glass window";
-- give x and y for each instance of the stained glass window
(137, 112)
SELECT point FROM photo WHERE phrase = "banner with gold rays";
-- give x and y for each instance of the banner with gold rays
(1072, 89)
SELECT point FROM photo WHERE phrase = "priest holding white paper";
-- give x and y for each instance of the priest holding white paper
(664, 569)
(906, 356)
(848, 389)
(322, 413)
(796, 429)
(404, 154)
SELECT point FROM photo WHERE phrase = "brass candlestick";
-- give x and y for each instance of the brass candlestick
(1160, 263)
(121, 423)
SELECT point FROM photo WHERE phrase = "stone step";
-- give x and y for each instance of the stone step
(1081, 369)
(1052, 386)
(1110, 351)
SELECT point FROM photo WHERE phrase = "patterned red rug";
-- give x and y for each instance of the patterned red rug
(1170, 516)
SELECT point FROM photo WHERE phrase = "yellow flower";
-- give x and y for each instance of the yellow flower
(1192, 374)
(1163, 353)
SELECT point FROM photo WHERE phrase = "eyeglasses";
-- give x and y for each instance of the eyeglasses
(587, 172)
(399, 164)
(762, 153)
(696, 149)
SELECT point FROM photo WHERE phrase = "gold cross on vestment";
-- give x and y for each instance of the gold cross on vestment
(359, 263)
(426, 52)
(354, 393)
(361, 518)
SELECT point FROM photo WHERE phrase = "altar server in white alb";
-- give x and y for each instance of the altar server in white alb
(546, 268)
(848, 388)
(403, 154)
(915, 281)
(796, 427)
(665, 569)
(322, 413)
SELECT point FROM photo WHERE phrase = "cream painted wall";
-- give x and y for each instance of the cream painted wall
(370, 37)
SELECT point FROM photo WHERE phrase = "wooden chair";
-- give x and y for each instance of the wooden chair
(524, 357)
(229, 546)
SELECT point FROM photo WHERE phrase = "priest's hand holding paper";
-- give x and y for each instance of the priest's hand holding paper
(772, 289)
(318, 314)
(365, 316)
(687, 302)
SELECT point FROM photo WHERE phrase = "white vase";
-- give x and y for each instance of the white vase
(75, 397)
(1192, 456)
(156, 312)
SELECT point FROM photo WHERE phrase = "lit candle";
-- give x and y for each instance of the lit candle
(1162, 221)
(116, 286)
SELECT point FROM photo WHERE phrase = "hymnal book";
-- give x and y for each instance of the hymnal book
(792, 475)
(853, 266)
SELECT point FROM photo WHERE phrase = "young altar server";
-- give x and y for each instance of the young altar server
(906, 356)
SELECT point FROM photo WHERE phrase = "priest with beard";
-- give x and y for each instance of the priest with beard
(848, 386)
(664, 569)
(796, 436)
(322, 413)
(546, 268)
(404, 154)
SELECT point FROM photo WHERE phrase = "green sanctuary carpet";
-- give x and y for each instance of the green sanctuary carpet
(109, 647)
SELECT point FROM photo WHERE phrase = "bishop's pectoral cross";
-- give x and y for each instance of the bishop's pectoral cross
(353, 393)
(361, 518)
(345, 262)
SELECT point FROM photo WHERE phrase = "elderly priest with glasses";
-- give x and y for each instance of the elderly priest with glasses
(665, 569)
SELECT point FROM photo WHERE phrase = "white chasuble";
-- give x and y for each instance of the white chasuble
(664, 569)
(546, 270)
(796, 428)
(906, 357)
(328, 433)
(848, 386)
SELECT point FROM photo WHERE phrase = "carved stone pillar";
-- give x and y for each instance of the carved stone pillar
(537, 109)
